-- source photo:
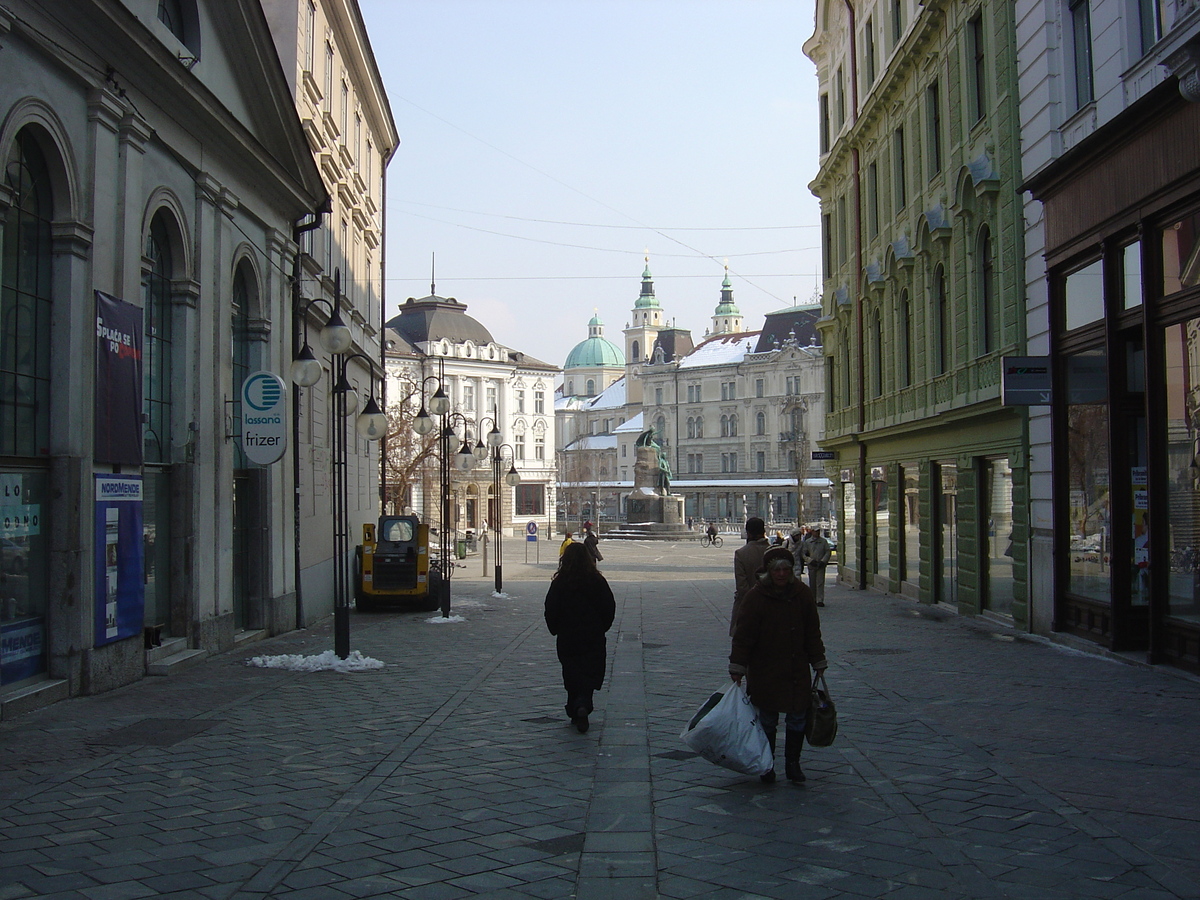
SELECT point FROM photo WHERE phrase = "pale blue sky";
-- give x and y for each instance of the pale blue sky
(685, 127)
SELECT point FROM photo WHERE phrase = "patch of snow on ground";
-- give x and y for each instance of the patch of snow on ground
(500, 595)
(322, 662)
(438, 620)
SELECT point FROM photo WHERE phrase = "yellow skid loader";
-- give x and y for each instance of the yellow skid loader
(392, 566)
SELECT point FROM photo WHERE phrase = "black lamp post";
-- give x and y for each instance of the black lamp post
(371, 424)
(496, 448)
(439, 405)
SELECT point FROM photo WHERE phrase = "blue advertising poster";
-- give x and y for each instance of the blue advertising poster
(120, 589)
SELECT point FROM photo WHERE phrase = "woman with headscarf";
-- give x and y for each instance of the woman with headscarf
(776, 640)
(579, 611)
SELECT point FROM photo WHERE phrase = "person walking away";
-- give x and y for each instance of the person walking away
(746, 561)
(776, 640)
(579, 611)
(592, 542)
(815, 553)
(567, 541)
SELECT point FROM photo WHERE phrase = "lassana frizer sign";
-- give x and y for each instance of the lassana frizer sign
(264, 419)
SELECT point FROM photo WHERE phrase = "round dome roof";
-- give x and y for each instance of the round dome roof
(595, 351)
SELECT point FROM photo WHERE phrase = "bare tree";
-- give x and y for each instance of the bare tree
(408, 453)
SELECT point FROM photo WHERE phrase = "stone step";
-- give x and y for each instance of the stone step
(35, 696)
(169, 647)
(250, 636)
(177, 662)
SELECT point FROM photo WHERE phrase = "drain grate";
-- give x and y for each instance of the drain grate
(155, 732)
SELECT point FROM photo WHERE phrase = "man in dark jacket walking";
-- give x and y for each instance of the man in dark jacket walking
(746, 561)
(592, 542)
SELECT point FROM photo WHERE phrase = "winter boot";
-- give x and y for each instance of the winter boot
(769, 776)
(793, 744)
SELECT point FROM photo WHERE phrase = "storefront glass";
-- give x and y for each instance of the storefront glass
(1179, 244)
(881, 537)
(911, 523)
(998, 548)
(948, 510)
(1088, 571)
(1085, 295)
(847, 548)
(23, 568)
(1182, 357)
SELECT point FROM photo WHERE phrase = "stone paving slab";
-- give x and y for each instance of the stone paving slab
(971, 762)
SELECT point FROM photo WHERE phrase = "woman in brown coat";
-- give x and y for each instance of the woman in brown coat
(776, 640)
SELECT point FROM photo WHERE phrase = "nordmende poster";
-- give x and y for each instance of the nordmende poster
(118, 381)
(120, 590)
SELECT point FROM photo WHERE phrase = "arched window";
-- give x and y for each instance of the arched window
(660, 428)
(760, 423)
(733, 426)
(724, 426)
(26, 305)
(988, 318)
(877, 355)
(591, 387)
(904, 354)
(633, 357)
(156, 343)
(170, 13)
(691, 427)
(570, 388)
(699, 426)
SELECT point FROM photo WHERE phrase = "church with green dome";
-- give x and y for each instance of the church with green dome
(593, 364)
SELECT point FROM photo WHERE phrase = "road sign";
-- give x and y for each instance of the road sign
(824, 454)
(531, 531)
(1025, 380)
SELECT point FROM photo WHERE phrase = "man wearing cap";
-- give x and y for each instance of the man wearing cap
(776, 640)
(746, 563)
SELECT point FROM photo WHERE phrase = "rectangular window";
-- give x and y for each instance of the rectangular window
(897, 22)
(869, 47)
(760, 461)
(758, 387)
(978, 69)
(872, 200)
(733, 462)
(824, 123)
(841, 99)
(658, 396)
(898, 179)
(910, 512)
(1088, 470)
(1182, 356)
(310, 36)
(933, 121)
(469, 397)
(1083, 296)
(843, 231)
(1151, 23)
(491, 399)
(539, 402)
(328, 98)
(345, 112)
(1081, 52)
(1131, 272)
(827, 246)
(519, 447)
(539, 447)
(1180, 256)
(520, 398)
(529, 499)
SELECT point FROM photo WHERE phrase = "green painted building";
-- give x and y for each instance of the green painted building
(923, 297)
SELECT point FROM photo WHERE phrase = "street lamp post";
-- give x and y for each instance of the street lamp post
(306, 371)
(496, 449)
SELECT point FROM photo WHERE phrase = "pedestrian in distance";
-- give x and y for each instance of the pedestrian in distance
(776, 641)
(792, 545)
(567, 541)
(815, 553)
(746, 562)
(592, 542)
(579, 611)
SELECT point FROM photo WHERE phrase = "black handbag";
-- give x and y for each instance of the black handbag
(820, 726)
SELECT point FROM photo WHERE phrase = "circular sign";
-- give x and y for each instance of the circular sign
(264, 422)
(531, 528)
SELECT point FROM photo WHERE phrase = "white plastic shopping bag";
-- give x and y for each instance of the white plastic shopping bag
(726, 731)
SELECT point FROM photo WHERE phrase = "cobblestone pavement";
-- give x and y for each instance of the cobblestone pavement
(971, 762)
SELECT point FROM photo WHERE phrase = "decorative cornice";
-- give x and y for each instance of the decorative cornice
(185, 292)
(1184, 64)
(74, 238)
(105, 108)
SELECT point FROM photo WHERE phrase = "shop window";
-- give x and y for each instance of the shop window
(1088, 469)
(530, 500)
(1131, 275)
(996, 499)
(1182, 355)
(848, 546)
(910, 522)
(23, 584)
(947, 488)
(1181, 255)
(1083, 296)
(881, 543)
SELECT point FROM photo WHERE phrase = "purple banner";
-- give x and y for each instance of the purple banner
(118, 381)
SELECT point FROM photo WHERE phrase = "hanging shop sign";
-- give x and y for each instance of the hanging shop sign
(264, 418)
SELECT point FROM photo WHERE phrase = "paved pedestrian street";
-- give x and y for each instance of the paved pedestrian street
(971, 762)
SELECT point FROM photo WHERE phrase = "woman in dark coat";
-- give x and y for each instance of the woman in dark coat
(776, 640)
(579, 610)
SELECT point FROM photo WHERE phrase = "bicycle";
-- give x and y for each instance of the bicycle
(713, 540)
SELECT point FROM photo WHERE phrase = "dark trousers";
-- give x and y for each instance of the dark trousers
(793, 722)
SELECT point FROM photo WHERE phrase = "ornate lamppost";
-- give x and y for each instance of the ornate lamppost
(371, 424)
(513, 478)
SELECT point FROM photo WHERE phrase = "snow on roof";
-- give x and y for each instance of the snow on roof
(593, 442)
(634, 424)
(611, 397)
(721, 350)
